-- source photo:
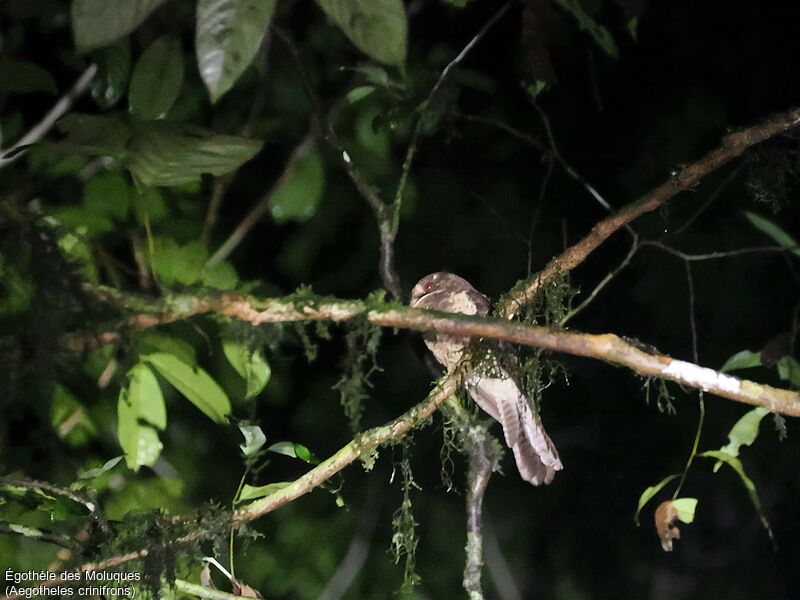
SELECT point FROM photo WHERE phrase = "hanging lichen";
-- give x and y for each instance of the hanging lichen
(664, 397)
(404, 526)
(362, 340)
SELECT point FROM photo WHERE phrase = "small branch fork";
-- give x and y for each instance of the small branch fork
(733, 145)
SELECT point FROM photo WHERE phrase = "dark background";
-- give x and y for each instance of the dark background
(697, 70)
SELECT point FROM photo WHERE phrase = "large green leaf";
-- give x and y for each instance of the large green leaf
(743, 433)
(194, 383)
(148, 342)
(783, 239)
(105, 135)
(113, 69)
(299, 194)
(108, 195)
(140, 409)
(99, 22)
(379, 28)
(651, 491)
(156, 79)
(228, 35)
(173, 263)
(745, 359)
(177, 153)
(249, 363)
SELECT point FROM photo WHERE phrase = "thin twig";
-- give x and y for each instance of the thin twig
(603, 283)
(713, 196)
(255, 214)
(700, 400)
(733, 145)
(716, 255)
(382, 211)
(42, 127)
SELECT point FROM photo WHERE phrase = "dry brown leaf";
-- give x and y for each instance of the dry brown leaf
(666, 518)
(244, 590)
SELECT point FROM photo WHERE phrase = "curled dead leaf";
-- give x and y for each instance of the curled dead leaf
(666, 518)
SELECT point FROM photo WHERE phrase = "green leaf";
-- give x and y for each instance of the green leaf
(789, 370)
(379, 28)
(96, 472)
(149, 342)
(194, 383)
(249, 363)
(99, 22)
(742, 360)
(736, 465)
(685, 508)
(251, 493)
(221, 276)
(139, 441)
(293, 450)
(254, 438)
(148, 205)
(178, 264)
(25, 77)
(228, 35)
(157, 79)
(600, 34)
(783, 239)
(359, 93)
(145, 395)
(174, 153)
(108, 195)
(298, 196)
(743, 433)
(651, 491)
(93, 135)
(113, 69)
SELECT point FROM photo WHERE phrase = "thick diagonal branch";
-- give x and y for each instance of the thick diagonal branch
(733, 145)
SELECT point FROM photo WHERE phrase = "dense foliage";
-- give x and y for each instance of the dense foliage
(218, 146)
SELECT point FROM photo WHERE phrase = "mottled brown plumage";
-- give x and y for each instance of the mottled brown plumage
(500, 396)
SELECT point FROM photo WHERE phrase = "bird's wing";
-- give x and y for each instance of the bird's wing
(500, 397)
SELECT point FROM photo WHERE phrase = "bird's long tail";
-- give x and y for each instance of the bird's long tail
(536, 456)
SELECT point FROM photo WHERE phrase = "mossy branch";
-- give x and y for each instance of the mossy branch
(607, 347)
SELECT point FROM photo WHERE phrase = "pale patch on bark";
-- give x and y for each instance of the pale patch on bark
(703, 377)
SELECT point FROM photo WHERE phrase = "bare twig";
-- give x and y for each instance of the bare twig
(42, 127)
(719, 254)
(733, 145)
(700, 400)
(603, 283)
(252, 217)
(382, 211)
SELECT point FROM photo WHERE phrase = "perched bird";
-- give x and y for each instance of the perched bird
(498, 395)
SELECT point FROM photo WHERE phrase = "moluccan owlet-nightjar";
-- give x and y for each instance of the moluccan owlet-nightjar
(498, 395)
